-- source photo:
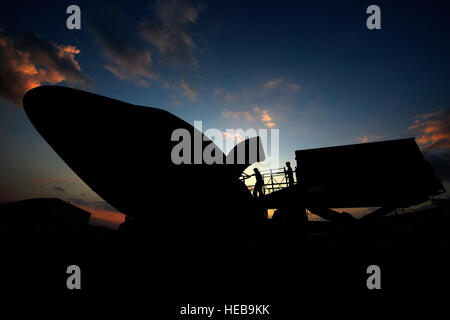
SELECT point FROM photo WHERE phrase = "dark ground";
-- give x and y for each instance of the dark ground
(323, 270)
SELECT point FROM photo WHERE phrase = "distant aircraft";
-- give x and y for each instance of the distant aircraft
(123, 153)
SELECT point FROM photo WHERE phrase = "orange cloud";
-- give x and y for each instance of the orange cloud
(294, 87)
(247, 115)
(279, 82)
(266, 118)
(433, 130)
(272, 83)
(236, 136)
(227, 113)
(230, 97)
(30, 61)
(69, 52)
(188, 91)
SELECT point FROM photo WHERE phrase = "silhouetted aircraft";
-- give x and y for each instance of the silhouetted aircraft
(123, 152)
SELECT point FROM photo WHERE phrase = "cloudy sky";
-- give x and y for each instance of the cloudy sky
(309, 68)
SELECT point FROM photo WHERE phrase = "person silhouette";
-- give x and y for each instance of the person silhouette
(290, 174)
(258, 189)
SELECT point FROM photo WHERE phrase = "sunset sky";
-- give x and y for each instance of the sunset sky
(309, 68)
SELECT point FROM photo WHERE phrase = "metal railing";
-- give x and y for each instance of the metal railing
(274, 180)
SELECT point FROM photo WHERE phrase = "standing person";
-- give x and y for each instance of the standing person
(258, 189)
(290, 174)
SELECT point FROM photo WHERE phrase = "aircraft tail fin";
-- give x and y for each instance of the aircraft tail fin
(245, 154)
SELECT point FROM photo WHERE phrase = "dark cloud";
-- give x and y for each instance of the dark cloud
(176, 12)
(59, 189)
(131, 47)
(28, 61)
(167, 32)
(128, 53)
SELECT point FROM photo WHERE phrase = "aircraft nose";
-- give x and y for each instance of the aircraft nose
(53, 112)
(38, 104)
(30, 100)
